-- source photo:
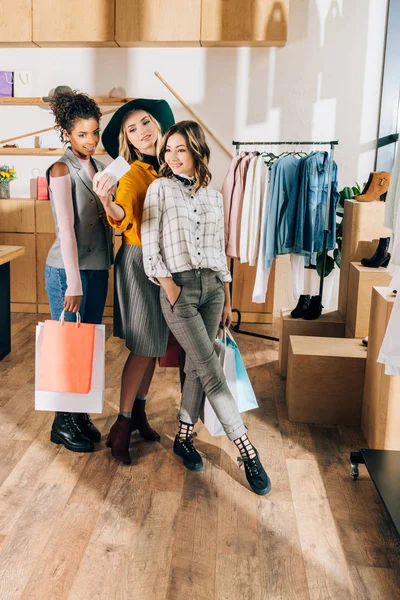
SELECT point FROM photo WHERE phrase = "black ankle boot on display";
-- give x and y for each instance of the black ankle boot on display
(65, 432)
(381, 257)
(315, 309)
(83, 423)
(184, 448)
(302, 307)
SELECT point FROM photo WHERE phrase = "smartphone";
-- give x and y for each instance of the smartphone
(117, 168)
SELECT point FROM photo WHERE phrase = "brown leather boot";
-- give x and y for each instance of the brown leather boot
(119, 438)
(377, 185)
(139, 422)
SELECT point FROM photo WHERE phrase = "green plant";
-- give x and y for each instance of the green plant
(347, 193)
(7, 173)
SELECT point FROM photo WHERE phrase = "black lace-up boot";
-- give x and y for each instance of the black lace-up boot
(65, 432)
(258, 479)
(183, 447)
(85, 426)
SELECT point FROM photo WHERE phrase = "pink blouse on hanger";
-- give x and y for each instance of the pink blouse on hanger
(61, 189)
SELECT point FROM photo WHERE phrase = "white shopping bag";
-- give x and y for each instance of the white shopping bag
(23, 84)
(67, 402)
(226, 356)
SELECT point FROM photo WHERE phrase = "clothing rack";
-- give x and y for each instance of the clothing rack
(332, 145)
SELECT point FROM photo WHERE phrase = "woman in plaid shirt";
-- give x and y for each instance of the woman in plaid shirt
(183, 252)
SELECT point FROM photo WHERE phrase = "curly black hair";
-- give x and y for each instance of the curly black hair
(69, 106)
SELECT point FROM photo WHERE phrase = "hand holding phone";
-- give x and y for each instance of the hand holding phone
(105, 181)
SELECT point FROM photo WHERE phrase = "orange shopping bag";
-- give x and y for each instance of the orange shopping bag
(67, 356)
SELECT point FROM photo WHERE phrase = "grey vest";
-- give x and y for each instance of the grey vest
(92, 231)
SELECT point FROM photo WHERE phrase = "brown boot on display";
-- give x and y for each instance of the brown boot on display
(377, 186)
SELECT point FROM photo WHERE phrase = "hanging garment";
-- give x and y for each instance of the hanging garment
(393, 198)
(390, 350)
(273, 232)
(306, 225)
(232, 242)
(283, 174)
(394, 264)
(262, 272)
(261, 178)
(227, 189)
(246, 209)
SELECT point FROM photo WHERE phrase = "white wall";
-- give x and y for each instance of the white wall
(324, 84)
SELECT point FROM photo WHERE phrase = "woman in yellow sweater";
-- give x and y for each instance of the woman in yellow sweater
(135, 132)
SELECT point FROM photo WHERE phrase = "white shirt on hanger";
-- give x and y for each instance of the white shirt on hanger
(260, 182)
(246, 209)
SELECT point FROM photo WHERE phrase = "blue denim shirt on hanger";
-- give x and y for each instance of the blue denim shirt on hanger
(307, 206)
(283, 173)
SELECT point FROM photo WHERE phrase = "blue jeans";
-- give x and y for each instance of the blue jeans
(94, 293)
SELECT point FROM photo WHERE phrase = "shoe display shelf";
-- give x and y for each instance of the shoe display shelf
(325, 380)
(361, 282)
(381, 413)
(329, 324)
(362, 228)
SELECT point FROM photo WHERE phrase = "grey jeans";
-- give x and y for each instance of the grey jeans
(194, 320)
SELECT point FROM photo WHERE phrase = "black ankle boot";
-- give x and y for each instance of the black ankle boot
(258, 479)
(314, 310)
(65, 432)
(302, 307)
(381, 257)
(83, 423)
(184, 448)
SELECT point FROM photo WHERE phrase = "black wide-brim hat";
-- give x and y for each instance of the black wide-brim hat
(159, 109)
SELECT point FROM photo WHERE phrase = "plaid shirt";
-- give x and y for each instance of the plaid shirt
(182, 231)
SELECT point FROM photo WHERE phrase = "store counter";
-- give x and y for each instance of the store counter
(7, 254)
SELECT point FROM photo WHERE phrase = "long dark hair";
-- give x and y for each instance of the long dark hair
(197, 144)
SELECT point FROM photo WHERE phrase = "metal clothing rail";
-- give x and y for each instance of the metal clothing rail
(332, 144)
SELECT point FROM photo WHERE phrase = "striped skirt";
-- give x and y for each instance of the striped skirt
(138, 318)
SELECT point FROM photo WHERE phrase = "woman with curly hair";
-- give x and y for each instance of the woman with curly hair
(135, 132)
(76, 273)
(183, 252)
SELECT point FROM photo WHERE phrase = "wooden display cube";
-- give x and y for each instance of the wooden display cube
(362, 228)
(325, 380)
(330, 324)
(361, 281)
(381, 406)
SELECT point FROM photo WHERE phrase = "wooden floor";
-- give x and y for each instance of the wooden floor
(81, 527)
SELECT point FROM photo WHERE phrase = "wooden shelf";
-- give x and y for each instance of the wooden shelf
(41, 102)
(38, 151)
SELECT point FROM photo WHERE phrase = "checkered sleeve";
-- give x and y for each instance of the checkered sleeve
(226, 274)
(154, 265)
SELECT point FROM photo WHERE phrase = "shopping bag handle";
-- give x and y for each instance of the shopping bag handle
(78, 319)
(221, 335)
(228, 334)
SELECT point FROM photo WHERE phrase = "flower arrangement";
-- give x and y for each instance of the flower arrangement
(7, 174)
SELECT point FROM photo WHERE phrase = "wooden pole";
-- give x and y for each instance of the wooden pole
(19, 137)
(196, 118)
